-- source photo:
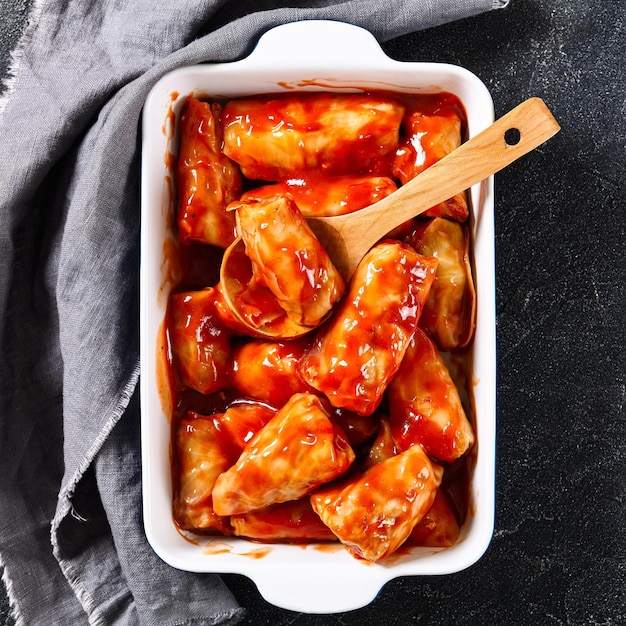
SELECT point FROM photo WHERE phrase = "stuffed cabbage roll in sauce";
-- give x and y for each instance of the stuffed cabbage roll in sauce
(450, 311)
(432, 128)
(298, 450)
(288, 259)
(202, 452)
(355, 355)
(199, 340)
(294, 520)
(439, 527)
(373, 513)
(268, 370)
(205, 446)
(275, 137)
(206, 180)
(425, 408)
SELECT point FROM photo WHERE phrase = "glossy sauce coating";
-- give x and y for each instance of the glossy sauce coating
(294, 520)
(353, 358)
(288, 259)
(303, 448)
(426, 409)
(374, 512)
(242, 420)
(200, 342)
(306, 440)
(433, 127)
(277, 137)
(324, 196)
(207, 181)
(268, 370)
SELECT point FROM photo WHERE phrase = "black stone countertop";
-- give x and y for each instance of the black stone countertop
(558, 554)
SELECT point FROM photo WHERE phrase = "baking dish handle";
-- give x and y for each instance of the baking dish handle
(311, 590)
(316, 42)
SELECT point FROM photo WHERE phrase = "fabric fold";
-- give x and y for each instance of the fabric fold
(71, 535)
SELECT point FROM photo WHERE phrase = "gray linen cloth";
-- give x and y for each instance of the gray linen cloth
(71, 538)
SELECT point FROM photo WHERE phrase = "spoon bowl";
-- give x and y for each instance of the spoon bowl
(238, 288)
(348, 237)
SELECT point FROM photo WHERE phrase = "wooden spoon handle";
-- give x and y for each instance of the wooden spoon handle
(515, 134)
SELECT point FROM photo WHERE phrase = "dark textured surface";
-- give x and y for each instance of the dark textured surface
(558, 554)
(13, 18)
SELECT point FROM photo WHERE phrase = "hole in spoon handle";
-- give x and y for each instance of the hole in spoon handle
(524, 128)
(512, 136)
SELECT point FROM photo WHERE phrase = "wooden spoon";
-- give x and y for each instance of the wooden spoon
(348, 237)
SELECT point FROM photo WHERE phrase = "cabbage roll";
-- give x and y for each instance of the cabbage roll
(425, 408)
(449, 313)
(202, 452)
(373, 513)
(244, 419)
(328, 195)
(439, 528)
(295, 452)
(267, 370)
(275, 137)
(430, 136)
(206, 180)
(200, 342)
(288, 259)
(354, 356)
(288, 521)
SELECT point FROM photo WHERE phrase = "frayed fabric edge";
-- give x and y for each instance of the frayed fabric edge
(13, 605)
(17, 53)
(228, 618)
(64, 504)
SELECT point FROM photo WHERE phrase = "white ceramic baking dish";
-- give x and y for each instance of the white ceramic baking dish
(305, 55)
